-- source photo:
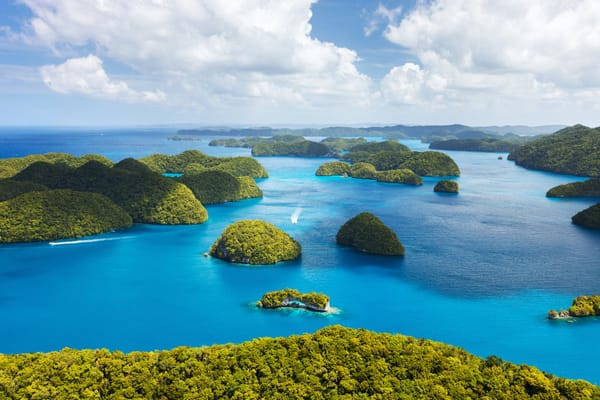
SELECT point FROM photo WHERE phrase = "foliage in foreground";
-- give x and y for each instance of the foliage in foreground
(573, 150)
(588, 218)
(367, 233)
(280, 298)
(446, 186)
(588, 188)
(255, 242)
(213, 186)
(333, 363)
(58, 214)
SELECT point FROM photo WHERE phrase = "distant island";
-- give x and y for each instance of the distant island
(573, 150)
(292, 298)
(485, 144)
(255, 242)
(582, 306)
(369, 234)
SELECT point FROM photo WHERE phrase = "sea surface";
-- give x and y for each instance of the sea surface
(481, 269)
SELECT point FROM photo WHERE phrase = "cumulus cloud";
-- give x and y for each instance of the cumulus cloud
(86, 75)
(381, 16)
(539, 49)
(207, 51)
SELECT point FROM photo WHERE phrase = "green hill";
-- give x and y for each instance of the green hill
(10, 188)
(213, 186)
(333, 363)
(255, 242)
(11, 166)
(58, 214)
(367, 233)
(588, 218)
(589, 188)
(446, 186)
(574, 150)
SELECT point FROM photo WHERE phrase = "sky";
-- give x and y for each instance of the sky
(299, 62)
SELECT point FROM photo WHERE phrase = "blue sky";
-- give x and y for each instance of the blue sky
(299, 62)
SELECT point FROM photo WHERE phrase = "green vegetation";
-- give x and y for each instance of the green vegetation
(146, 196)
(333, 363)
(11, 166)
(366, 152)
(431, 163)
(480, 144)
(446, 187)
(304, 148)
(334, 168)
(214, 186)
(572, 151)
(338, 145)
(58, 214)
(388, 160)
(291, 297)
(582, 306)
(589, 188)
(367, 233)
(405, 176)
(363, 170)
(588, 218)
(10, 188)
(255, 242)
(237, 166)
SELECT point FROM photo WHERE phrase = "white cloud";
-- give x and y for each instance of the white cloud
(488, 51)
(208, 52)
(382, 15)
(86, 75)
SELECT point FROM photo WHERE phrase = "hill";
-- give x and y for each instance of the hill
(574, 150)
(333, 363)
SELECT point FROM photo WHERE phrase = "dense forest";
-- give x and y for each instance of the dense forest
(588, 188)
(215, 186)
(283, 298)
(487, 144)
(588, 218)
(367, 233)
(333, 363)
(573, 150)
(446, 186)
(255, 242)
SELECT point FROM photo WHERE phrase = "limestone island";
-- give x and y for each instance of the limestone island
(255, 242)
(292, 298)
(583, 306)
(588, 218)
(367, 233)
(446, 187)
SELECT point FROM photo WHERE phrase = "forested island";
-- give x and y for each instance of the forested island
(292, 298)
(588, 188)
(255, 242)
(484, 144)
(573, 150)
(446, 186)
(334, 362)
(91, 194)
(582, 306)
(369, 234)
(588, 218)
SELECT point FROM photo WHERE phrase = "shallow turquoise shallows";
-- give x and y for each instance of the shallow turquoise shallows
(481, 269)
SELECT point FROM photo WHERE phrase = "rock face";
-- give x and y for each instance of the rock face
(446, 187)
(255, 242)
(367, 233)
(292, 298)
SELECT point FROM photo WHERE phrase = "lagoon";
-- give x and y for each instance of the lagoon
(481, 268)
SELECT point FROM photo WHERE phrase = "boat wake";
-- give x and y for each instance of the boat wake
(82, 241)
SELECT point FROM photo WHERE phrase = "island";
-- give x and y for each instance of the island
(333, 168)
(588, 218)
(58, 214)
(369, 234)
(255, 242)
(582, 306)
(11, 166)
(572, 150)
(446, 186)
(334, 362)
(292, 298)
(287, 144)
(302, 148)
(215, 186)
(484, 144)
(588, 188)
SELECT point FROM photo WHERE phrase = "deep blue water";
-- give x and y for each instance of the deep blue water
(481, 268)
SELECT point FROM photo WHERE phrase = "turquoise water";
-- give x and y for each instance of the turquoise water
(481, 268)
